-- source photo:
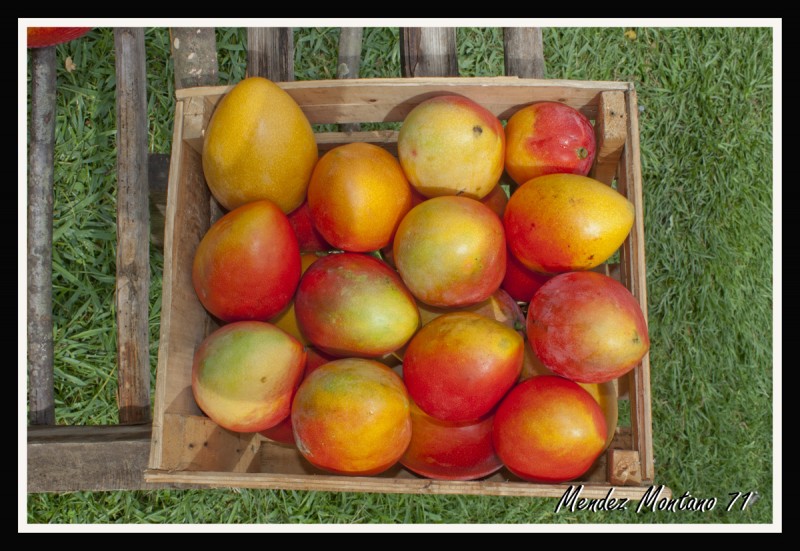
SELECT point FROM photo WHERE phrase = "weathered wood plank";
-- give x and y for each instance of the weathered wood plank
(611, 130)
(633, 273)
(133, 225)
(270, 53)
(40, 236)
(428, 52)
(391, 99)
(332, 483)
(194, 53)
(157, 178)
(349, 62)
(523, 52)
(67, 459)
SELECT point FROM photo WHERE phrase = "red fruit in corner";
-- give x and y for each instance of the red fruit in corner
(39, 37)
(308, 237)
(247, 266)
(547, 138)
(587, 327)
(446, 450)
(520, 282)
(549, 429)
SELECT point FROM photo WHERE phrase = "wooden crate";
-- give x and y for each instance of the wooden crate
(189, 448)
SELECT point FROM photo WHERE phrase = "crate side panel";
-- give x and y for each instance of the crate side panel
(332, 483)
(633, 272)
(390, 100)
(196, 443)
(189, 322)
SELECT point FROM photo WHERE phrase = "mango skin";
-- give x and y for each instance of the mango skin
(566, 222)
(357, 196)
(445, 450)
(461, 364)
(244, 375)
(352, 304)
(351, 416)
(549, 429)
(450, 251)
(450, 145)
(287, 319)
(282, 433)
(247, 265)
(606, 394)
(547, 138)
(587, 327)
(259, 145)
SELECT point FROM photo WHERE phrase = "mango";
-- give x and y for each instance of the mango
(566, 222)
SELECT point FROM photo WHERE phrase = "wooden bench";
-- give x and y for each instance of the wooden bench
(64, 458)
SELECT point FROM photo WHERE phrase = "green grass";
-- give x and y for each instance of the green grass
(706, 149)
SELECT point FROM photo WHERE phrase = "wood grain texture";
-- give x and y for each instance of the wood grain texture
(523, 52)
(633, 272)
(391, 99)
(611, 129)
(624, 468)
(183, 319)
(41, 406)
(194, 53)
(332, 483)
(428, 52)
(350, 39)
(270, 53)
(133, 228)
(157, 178)
(93, 458)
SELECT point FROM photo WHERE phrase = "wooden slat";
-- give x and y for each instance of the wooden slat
(68, 459)
(270, 53)
(391, 99)
(133, 252)
(157, 178)
(328, 140)
(331, 483)
(349, 61)
(523, 52)
(180, 308)
(611, 129)
(633, 273)
(194, 53)
(40, 236)
(428, 52)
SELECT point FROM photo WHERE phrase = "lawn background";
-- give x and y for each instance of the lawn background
(706, 125)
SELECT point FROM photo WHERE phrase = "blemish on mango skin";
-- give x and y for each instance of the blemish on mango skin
(477, 130)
